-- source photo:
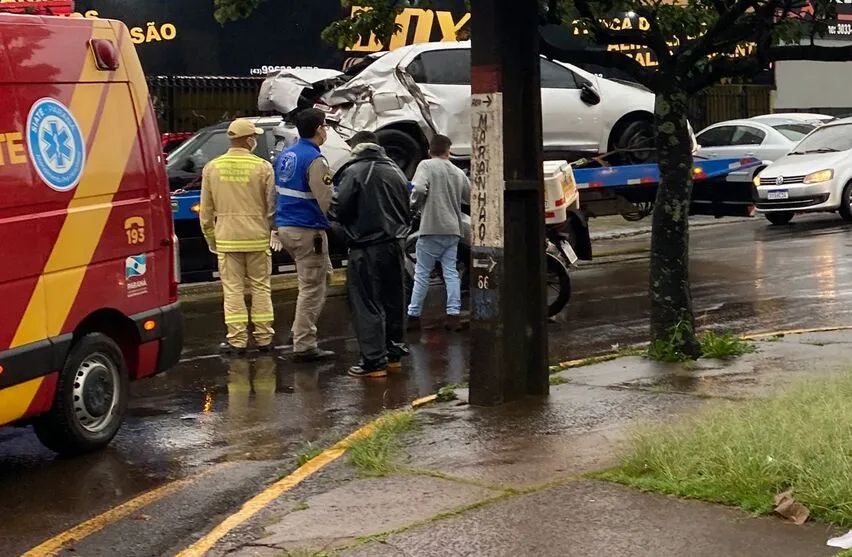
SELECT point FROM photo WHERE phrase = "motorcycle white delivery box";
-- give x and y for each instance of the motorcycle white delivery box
(560, 191)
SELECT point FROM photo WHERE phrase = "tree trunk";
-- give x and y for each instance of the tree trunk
(672, 318)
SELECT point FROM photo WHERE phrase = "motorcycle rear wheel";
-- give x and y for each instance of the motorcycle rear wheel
(558, 286)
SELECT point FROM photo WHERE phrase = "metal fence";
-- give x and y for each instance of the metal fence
(186, 104)
(728, 102)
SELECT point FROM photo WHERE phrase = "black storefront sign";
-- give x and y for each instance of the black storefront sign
(183, 39)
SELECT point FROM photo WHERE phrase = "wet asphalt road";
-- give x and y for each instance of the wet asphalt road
(259, 412)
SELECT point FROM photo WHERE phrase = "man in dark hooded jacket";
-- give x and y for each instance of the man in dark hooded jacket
(371, 207)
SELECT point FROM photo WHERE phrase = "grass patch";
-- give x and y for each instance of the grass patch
(446, 394)
(558, 380)
(308, 453)
(373, 455)
(723, 346)
(668, 350)
(719, 346)
(744, 454)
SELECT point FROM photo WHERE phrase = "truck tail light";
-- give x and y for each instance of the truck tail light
(106, 55)
(174, 278)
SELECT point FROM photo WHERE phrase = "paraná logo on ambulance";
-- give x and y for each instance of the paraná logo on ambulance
(55, 144)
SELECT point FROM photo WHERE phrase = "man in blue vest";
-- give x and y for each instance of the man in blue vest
(304, 184)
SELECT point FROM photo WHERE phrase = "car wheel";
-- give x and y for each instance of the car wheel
(846, 203)
(402, 148)
(779, 219)
(91, 398)
(636, 139)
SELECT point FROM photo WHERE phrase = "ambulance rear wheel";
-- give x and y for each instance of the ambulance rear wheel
(91, 398)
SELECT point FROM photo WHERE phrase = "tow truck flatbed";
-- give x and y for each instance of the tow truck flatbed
(630, 190)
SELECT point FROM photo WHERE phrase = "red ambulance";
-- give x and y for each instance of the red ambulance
(88, 256)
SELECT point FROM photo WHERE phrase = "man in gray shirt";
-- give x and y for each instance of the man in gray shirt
(440, 188)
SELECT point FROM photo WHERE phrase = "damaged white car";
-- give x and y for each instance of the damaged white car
(408, 95)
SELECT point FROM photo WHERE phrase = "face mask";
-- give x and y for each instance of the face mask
(252, 145)
(323, 135)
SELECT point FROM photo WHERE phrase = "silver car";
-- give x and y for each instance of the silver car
(816, 176)
(766, 139)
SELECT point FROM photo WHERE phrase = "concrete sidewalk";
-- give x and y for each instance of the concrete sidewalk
(510, 481)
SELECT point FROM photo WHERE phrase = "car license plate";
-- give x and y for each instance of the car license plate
(778, 194)
(569, 252)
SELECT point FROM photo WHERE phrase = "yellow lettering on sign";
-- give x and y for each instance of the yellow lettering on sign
(424, 24)
(449, 28)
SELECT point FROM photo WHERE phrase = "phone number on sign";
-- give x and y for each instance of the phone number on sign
(844, 29)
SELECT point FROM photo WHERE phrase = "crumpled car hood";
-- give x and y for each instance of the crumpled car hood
(281, 92)
(381, 94)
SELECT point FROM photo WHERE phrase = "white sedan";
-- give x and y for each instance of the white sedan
(409, 94)
(767, 139)
(806, 117)
(816, 176)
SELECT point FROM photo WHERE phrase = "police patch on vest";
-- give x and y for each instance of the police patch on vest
(288, 166)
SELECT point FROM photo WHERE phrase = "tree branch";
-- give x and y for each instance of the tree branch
(705, 43)
(747, 67)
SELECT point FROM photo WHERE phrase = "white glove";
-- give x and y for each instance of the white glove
(275, 241)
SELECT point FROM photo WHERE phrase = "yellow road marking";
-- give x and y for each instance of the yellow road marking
(267, 496)
(423, 401)
(758, 336)
(55, 544)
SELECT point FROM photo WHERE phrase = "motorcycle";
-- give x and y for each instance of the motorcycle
(559, 253)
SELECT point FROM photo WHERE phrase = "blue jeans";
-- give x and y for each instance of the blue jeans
(431, 250)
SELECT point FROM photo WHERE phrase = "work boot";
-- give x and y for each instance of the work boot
(454, 323)
(313, 355)
(363, 370)
(414, 323)
(266, 347)
(229, 349)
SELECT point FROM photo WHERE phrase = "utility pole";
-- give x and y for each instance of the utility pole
(508, 297)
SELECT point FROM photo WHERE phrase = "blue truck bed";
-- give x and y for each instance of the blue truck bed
(649, 174)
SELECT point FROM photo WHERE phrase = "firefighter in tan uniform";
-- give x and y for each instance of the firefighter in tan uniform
(238, 201)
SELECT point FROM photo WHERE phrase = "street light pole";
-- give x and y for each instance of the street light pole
(508, 299)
